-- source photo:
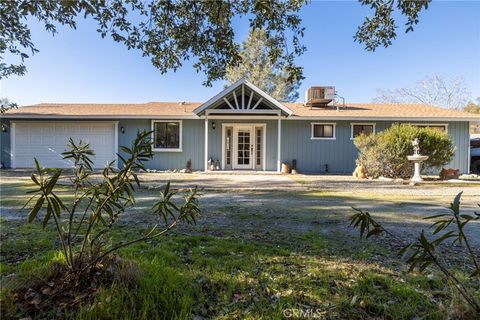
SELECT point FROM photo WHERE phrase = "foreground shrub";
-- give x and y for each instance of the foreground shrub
(385, 154)
(422, 252)
(83, 226)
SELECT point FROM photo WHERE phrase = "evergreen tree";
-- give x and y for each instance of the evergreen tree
(257, 67)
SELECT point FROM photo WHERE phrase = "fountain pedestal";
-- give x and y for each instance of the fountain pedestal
(417, 160)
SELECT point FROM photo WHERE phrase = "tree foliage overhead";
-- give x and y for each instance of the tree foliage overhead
(170, 32)
(446, 92)
(380, 29)
(258, 69)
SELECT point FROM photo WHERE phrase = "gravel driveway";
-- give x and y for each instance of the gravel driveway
(295, 203)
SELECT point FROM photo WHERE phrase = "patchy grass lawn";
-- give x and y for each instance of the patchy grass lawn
(251, 256)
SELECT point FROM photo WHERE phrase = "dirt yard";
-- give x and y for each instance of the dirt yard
(264, 203)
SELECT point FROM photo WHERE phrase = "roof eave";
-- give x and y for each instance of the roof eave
(469, 119)
(80, 117)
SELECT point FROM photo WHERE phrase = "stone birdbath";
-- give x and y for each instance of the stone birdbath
(417, 159)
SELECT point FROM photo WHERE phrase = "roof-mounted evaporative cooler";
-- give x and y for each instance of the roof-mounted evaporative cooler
(319, 96)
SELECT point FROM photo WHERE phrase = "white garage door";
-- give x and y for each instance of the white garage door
(47, 140)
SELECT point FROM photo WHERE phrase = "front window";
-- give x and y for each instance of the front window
(323, 131)
(362, 128)
(167, 135)
(441, 127)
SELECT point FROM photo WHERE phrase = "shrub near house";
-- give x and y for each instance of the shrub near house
(385, 154)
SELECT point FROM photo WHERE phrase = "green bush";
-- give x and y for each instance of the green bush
(385, 154)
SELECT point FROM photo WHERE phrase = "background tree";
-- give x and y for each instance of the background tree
(473, 107)
(6, 105)
(170, 32)
(258, 69)
(446, 92)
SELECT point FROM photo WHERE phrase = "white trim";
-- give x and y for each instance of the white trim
(352, 124)
(431, 124)
(469, 155)
(256, 104)
(250, 100)
(94, 117)
(229, 104)
(222, 162)
(244, 117)
(12, 145)
(243, 96)
(233, 87)
(115, 153)
(264, 130)
(279, 143)
(179, 149)
(324, 138)
(246, 111)
(194, 116)
(235, 98)
(206, 144)
(403, 119)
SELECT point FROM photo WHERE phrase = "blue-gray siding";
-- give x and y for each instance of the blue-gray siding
(5, 156)
(340, 154)
(311, 155)
(193, 146)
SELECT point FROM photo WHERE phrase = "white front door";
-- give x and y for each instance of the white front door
(243, 145)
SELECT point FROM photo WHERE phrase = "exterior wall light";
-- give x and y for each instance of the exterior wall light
(122, 129)
(213, 125)
(4, 128)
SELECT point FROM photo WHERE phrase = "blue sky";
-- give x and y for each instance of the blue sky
(79, 66)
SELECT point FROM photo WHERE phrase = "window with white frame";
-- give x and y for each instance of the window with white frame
(167, 135)
(362, 128)
(441, 127)
(323, 131)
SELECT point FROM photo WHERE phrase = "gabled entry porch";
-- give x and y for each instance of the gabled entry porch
(243, 129)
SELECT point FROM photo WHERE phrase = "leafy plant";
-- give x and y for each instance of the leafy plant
(84, 224)
(385, 153)
(423, 253)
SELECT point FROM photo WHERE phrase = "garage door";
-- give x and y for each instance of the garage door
(47, 140)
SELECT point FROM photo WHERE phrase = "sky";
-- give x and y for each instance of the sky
(79, 66)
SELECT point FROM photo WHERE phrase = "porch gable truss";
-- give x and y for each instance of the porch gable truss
(244, 98)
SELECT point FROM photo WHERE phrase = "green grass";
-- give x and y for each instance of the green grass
(229, 278)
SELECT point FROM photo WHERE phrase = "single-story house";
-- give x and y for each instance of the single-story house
(241, 128)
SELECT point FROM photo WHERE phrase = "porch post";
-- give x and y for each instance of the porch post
(279, 142)
(206, 142)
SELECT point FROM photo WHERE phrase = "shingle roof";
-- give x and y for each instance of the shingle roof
(373, 110)
(151, 109)
(182, 110)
